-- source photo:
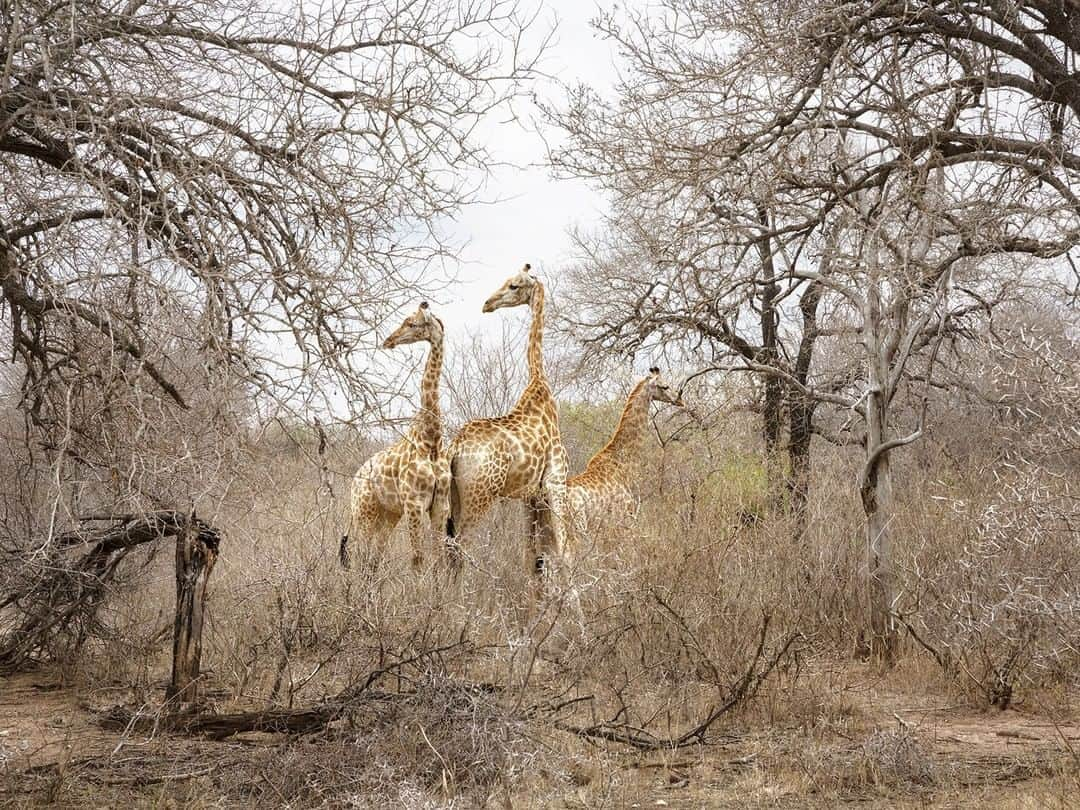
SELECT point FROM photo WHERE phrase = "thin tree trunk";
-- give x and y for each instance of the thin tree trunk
(772, 434)
(772, 413)
(881, 576)
(875, 488)
(801, 413)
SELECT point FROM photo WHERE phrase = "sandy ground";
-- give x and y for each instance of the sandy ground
(878, 747)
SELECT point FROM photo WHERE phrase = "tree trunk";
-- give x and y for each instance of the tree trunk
(881, 578)
(772, 434)
(195, 559)
(772, 412)
(875, 488)
(800, 413)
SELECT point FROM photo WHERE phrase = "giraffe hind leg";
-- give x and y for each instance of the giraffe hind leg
(453, 519)
(414, 518)
(369, 536)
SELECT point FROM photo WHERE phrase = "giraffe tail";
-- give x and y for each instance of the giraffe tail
(343, 551)
(453, 520)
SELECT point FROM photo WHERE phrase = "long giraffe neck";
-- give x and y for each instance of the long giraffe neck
(427, 426)
(625, 445)
(536, 336)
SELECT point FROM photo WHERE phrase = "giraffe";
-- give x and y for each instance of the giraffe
(411, 477)
(604, 493)
(519, 455)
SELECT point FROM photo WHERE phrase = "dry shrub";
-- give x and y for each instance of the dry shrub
(444, 742)
(646, 632)
(889, 761)
(896, 757)
(447, 735)
(995, 597)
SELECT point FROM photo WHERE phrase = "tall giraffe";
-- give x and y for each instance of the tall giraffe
(519, 455)
(604, 493)
(412, 476)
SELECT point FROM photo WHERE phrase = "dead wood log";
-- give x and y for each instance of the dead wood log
(299, 720)
(215, 726)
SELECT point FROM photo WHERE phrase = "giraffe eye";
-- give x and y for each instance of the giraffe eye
(514, 286)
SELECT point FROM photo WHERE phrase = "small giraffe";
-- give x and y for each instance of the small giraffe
(603, 495)
(411, 477)
(519, 455)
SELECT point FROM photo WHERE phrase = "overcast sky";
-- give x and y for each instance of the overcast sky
(529, 219)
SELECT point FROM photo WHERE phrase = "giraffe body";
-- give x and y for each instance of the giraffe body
(411, 478)
(519, 455)
(604, 495)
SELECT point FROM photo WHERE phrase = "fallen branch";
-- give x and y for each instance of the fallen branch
(743, 689)
(300, 720)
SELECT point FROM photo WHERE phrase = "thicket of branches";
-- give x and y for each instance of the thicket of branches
(837, 198)
(251, 184)
(209, 208)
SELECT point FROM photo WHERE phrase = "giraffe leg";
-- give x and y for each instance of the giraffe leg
(554, 497)
(367, 534)
(465, 522)
(439, 512)
(472, 491)
(414, 522)
(369, 523)
(539, 528)
(418, 493)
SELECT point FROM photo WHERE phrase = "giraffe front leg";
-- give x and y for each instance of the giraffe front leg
(553, 490)
(546, 533)
(539, 528)
(440, 504)
(419, 490)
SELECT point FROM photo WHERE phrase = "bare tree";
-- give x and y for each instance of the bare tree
(870, 175)
(267, 174)
(210, 206)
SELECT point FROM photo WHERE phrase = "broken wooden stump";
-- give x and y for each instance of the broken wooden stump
(55, 604)
(196, 553)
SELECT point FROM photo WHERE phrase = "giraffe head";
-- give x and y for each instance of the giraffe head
(659, 391)
(515, 292)
(421, 325)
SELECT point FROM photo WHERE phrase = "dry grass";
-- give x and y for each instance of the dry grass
(643, 633)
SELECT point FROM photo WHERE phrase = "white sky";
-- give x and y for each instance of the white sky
(532, 212)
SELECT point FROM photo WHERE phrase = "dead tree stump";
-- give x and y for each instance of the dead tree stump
(53, 607)
(196, 553)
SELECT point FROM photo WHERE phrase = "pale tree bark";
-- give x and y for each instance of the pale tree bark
(875, 488)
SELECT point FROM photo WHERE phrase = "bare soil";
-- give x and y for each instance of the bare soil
(862, 742)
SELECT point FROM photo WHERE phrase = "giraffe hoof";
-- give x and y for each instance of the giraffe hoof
(538, 565)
